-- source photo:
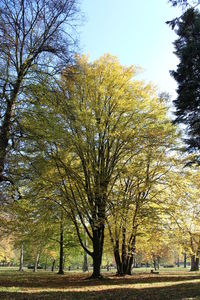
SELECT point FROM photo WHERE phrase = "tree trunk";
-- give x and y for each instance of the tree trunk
(178, 261)
(6, 123)
(21, 258)
(36, 262)
(118, 259)
(154, 262)
(194, 263)
(125, 262)
(124, 252)
(61, 265)
(96, 264)
(53, 265)
(85, 259)
(131, 255)
(129, 265)
(4, 137)
(185, 260)
(158, 261)
(98, 240)
(45, 267)
(85, 262)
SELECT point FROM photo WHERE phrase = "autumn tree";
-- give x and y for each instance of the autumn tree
(29, 228)
(154, 244)
(137, 197)
(37, 220)
(35, 38)
(108, 122)
(99, 126)
(185, 218)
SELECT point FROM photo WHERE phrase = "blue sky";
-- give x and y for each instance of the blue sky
(135, 32)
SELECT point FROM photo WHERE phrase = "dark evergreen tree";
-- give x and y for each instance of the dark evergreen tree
(187, 75)
(184, 4)
(179, 2)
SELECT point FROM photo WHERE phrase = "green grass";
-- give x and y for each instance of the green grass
(169, 284)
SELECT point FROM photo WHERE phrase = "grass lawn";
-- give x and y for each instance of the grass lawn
(176, 284)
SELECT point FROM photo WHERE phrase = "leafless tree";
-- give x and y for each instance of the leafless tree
(34, 35)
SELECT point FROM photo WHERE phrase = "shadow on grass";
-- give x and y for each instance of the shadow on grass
(180, 291)
(45, 280)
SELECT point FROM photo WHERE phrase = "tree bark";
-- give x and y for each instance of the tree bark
(61, 265)
(131, 255)
(125, 262)
(98, 240)
(6, 124)
(129, 264)
(118, 259)
(124, 252)
(194, 263)
(4, 137)
(21, 259)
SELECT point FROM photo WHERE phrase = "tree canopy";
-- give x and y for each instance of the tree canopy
(35, 38)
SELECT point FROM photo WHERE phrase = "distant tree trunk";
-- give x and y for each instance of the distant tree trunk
(61, 262)
(45, 267)
(134, 263)
(85, 262)
(64, 259)
(194, 263)
(53, 265)
(185, 260)
(107, 266)
(36, 262)
(158, 261)
(154, 262)
(178, 261)
(85, 259)
(21, 258)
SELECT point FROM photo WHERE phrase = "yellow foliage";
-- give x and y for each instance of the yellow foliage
(6, 250)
